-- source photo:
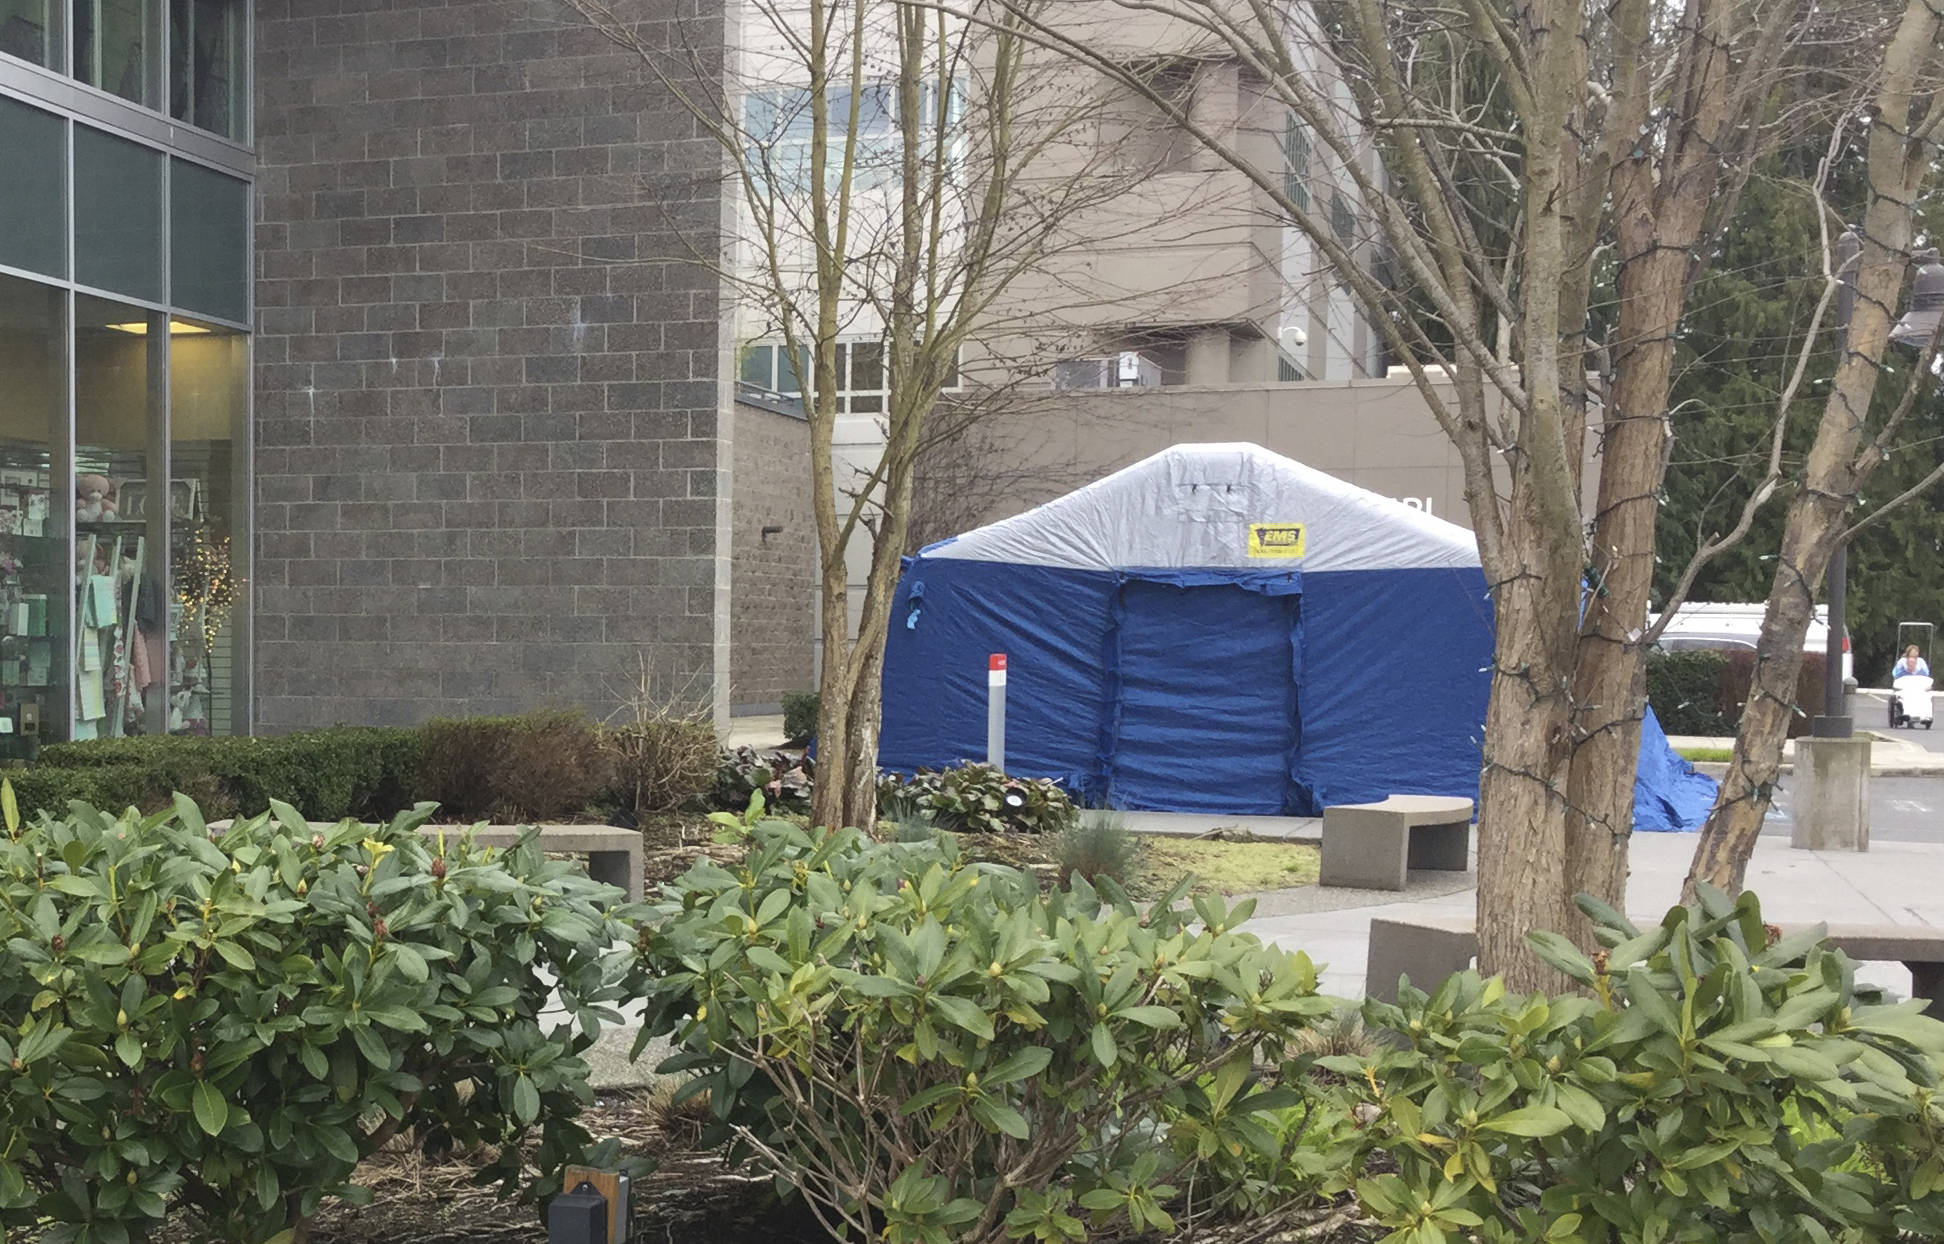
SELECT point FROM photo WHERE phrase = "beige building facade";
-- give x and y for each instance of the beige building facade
(1375, 433)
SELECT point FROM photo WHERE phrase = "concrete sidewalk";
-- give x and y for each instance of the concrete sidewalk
(762, 732)
(1890, 756)
(1892, 883)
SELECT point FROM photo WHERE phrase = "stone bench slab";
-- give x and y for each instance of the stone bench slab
(1373, 846)
(1430, 948)
(614, 856)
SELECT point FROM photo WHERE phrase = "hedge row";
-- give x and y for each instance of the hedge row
(544, 766)
(1702, 692)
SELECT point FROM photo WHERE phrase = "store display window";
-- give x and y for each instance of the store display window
(124, 450)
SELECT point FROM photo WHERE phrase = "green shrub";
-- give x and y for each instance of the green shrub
(1685, 689)
(228, 1023)
(783, 780)
(800, 710)
(1098, 845)
(1714, 1084)
(661, 763)
(540, 766)
(972, 798)
(370, 773)
(143, 787)
(930, 1049)
(901, 819)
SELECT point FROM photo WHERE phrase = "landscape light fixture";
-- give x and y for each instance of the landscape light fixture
(578, 1217)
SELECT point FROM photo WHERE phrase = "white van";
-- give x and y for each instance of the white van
(1705, 624)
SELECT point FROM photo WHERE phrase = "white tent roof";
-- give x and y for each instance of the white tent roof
(1219, 506)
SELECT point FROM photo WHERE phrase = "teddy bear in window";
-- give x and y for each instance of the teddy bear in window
(94, 498)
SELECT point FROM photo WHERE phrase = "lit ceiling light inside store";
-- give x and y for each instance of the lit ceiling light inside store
(177, 328)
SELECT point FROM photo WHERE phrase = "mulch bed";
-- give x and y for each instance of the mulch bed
(426, 1199)
(690, 1196)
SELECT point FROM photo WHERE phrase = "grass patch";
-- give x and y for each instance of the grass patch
(1722, 754)
(1229, 867)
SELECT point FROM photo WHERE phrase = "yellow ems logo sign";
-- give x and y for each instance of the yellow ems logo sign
(1275, 539)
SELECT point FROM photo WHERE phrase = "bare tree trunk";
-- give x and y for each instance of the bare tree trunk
(1840, 460)
(1721, 856)
(1659, 208)
(1521, 801)
(1522, 808)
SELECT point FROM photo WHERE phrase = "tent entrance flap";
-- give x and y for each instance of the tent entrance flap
(1204, 712)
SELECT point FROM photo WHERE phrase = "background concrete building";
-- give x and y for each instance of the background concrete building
(1175, 273)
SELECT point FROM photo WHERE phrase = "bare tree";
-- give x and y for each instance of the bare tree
(1906, 122)
(872, 207)
(1527, 150)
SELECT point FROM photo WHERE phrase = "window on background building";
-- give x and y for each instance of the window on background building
(779, 125)
(111, 47)
(768, 367)
(34, 515)
(206, 70)
(1343, 221)
(30, 29)
(863, 380)
(1296, 153)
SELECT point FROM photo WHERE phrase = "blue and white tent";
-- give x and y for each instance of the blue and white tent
(1216, 629)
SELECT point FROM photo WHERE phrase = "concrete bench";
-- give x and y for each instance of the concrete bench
(614, 856)
(1373, 846)
(1430, 948)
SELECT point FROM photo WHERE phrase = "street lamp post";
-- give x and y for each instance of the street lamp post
(1915, 329)
(1835, 721)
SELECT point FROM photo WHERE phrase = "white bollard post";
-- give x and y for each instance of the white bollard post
(996, 711)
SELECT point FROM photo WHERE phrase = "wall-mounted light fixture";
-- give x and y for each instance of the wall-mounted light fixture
(774, 529)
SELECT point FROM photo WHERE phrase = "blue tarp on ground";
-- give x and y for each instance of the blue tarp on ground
(1217, 629)
(1669, 796)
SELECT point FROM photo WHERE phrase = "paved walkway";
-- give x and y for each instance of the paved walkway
(759, 732)
(1892, 883)
(1891, 755)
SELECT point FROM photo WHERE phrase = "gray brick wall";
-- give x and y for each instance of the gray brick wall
(488, 448)
(772, 578)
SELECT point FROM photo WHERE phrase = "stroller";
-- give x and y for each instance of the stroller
(1910, 701)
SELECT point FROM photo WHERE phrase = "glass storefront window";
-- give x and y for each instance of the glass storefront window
(124, 400)
(33, 211)
(209, 241)
(30, 29)
(209, 376)
(206, 76)
(117, 215)
(34, 516)
(111, 42)
(119, 610)
(189, 58)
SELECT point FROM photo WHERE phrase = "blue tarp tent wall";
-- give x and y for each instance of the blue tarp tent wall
(1216, 629)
